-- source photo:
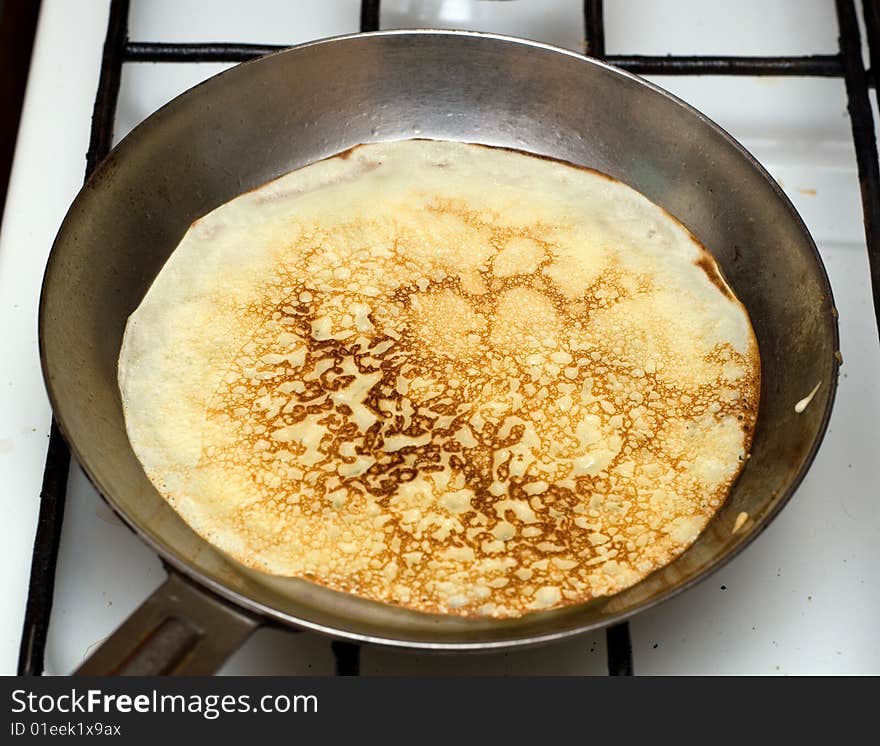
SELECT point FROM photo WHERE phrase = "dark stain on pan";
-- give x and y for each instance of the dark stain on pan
(707, 264)
(346, 154)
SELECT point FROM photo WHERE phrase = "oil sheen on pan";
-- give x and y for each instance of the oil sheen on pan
(459, 379)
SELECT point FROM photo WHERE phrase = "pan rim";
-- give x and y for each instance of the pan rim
(202, 580)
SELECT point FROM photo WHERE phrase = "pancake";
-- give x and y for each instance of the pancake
(455, 378)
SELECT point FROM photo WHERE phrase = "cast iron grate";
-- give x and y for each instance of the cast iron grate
(118, 50)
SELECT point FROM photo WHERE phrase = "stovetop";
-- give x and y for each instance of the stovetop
(802, 599)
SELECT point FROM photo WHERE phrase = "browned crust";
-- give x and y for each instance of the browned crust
(705, 262)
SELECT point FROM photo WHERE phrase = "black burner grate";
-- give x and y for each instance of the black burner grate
(846, 64)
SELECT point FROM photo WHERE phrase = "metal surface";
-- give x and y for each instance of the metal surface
(206, 52)
(31, 653)
(192, 156)
(862, 118)
(617, 637)
(53, 493)
(620, 661)
(348, 658)
(818, 65)
(178, 630)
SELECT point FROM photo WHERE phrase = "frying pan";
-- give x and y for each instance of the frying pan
(256, 121)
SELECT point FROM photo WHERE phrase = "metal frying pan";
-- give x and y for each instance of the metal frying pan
(261, 119)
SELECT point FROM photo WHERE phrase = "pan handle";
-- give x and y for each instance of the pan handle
(179, 630)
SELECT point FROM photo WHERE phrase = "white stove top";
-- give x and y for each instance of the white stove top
(803, 599)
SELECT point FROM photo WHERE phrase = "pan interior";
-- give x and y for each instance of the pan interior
(189, 158)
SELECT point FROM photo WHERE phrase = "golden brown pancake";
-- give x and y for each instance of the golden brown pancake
(454, 378)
